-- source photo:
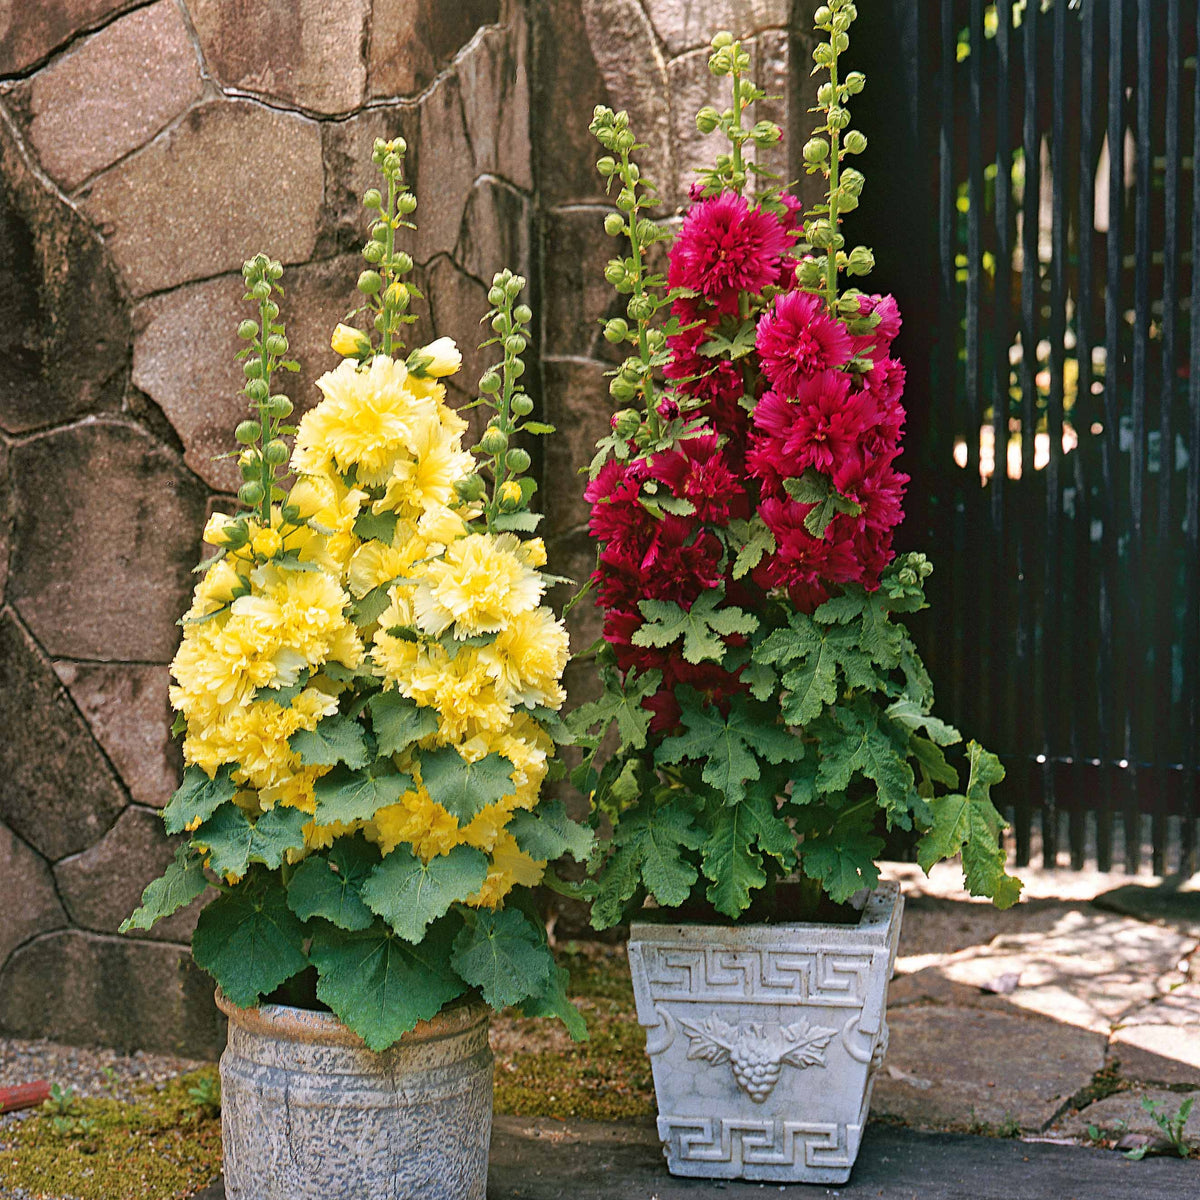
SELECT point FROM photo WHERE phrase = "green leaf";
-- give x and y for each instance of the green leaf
(336, 739)
(620, 880)
(553, 1002)
(843, 859)
(176, 888)
(622, 704)
(741, 344)
(816, 489)
(517, 522)
(881, 637)
(399, 723)
(702, 627)
(729, 747)
(547, 833)
(504, 956)
(464, 789)
(730, 859)
(233, 841)
(329, 885)
(380, 985)
(198, 797)
(537, 427)
(372, 606)
(410, 894)
(867, 748)
(908, 715)
(249, 941)
(752, 539)
(652, 841)
(346, 795)
(760, 679)
(283, 696)
(379, 527)
(971, 825)
(841, 610)
(932, 761)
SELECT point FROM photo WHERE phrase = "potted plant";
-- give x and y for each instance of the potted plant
(367, 689)
(773, 716)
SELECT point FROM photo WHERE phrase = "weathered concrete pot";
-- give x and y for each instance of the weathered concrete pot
(764, 1040)
(309, 1113)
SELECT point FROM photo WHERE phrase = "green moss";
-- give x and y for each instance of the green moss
(159, 1146)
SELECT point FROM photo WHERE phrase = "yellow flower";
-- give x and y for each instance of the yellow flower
(445, 357)
(426, 481)
(533, 551)
(267, 542)
(217, 531)
(349, 342)
(461, 690)
(510, 493)
(528, 659)
(510, 867)
(417, 820)
(479, 585)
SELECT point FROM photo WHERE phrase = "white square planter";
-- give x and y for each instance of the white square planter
(764, 1040)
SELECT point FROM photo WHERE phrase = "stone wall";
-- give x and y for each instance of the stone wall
(146, 149)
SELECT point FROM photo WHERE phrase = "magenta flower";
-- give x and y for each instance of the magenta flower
(798, 339)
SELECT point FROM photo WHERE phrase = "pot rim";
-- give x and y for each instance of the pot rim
(325, 1028)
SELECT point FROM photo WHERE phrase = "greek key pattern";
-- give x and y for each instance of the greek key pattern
(837, 979)
(760, 1142)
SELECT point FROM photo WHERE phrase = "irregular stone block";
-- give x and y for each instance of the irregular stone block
(495, 91)
(1123, 1113)
(104, 884)
(65, 334)
(1161, 1042)
(621, 36)
(456, 304)
(495, 231)
(577, 402)
(411, 40)
(31, 31)
(113, 93)
(56, 790)
(6, 506)
(91, 989)
(225, 211)
(24, 873)
(305, 52)
(952, 1068)
(104, 571)
(128, 709)
(185, 348)
(577, 297)
(690, 24)
(441, 169)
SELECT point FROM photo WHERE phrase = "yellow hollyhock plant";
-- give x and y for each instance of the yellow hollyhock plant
(368, 681)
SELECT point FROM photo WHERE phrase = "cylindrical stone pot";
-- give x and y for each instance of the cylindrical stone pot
(764, 1040)
(309, 1113)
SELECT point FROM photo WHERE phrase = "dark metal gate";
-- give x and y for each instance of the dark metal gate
(1035, 207)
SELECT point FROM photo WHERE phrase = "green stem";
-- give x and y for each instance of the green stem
(643, 324)
(738, 166)
(268, 471)
(835, 135)
(388, 270)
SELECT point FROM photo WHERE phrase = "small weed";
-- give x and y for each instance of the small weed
(62, 1102)
(1102, 1136)
(205, 1094)
(1171, 1124)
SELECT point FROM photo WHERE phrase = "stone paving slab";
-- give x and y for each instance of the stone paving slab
(550, 1160)
(1123, 1113)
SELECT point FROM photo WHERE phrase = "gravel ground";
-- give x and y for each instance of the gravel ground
(88, 1072)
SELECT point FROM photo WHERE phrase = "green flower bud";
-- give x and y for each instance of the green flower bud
(406, 203)
(279, 406)
(860, 262)
(616, 330)
(490, 383)
(523, 314)
(247, 432)
(252, 367)
(373, 252)
(257, 390)
(493, 441)
(514, 344)
(722, 39)
(621, 389)
(276, 453)
(372, 198)
(823, 54)
(841, 22)
(261, 290)
(496, 295)
(816, 150)
(766, 133)
(380, 322)
(641, 308)
(822, 16)
(855, 142)
(614, 225)
(516, 368)
(626, 422)
(521, 404)
(852, 181)
(247, 330)
(369, 282)
(607, 166)
(839, 117)
(275, 269)
(510, 496)
(379, 231)
(276, 344)
(470, 489)
(626, 200)
(847, 201)
(290, 513)
(840, 41)
(251, 493)
(808, 273)
(501, 323)
(907, 576)
(707, 119)
(855, 82)
(821, 235)
(615, 273)
(517, 461)
(514, 285)
(249, 465)
(392, 163)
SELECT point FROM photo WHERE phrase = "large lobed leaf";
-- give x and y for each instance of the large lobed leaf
(330, 885)
(464, 789)
(732, 855)
(703, 627)
(197, 797)
(504, 956)
(346, 795)
(410, 894)
(336, 739)
(232, 841)
(178, 886)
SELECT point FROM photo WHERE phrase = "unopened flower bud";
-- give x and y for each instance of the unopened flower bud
(469, 489)
(621, 389)
(276, 452)
(823, 54)
(261, 290)
(517, 460)
(614, 225)
(493, 441)
(514, 344)
(626, 200)
(501, 323)
(615, 273)
(349, 342)
(391, 163)
(251, 493)
(279, 406)
(490, 383)
(523, 314)
(372, 198)
(445, 355)
(907, 576)
(257, 390)
(816, 150)
(521, 404)
(496, 295)
(373, 252)
(396, 296)
(860, 262)
(707, 119)
(275, 270)
(855, 142)
(822, 16)
(626, 422)
(276, 344)
(855, 82)
(766, 133)
(510, 496)
(249, 464)
(722, 39)
(369, 282)
(852, 181)
(616, 330)
(607, 166)
(641, 308)
(667, 408)
(247, 330)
